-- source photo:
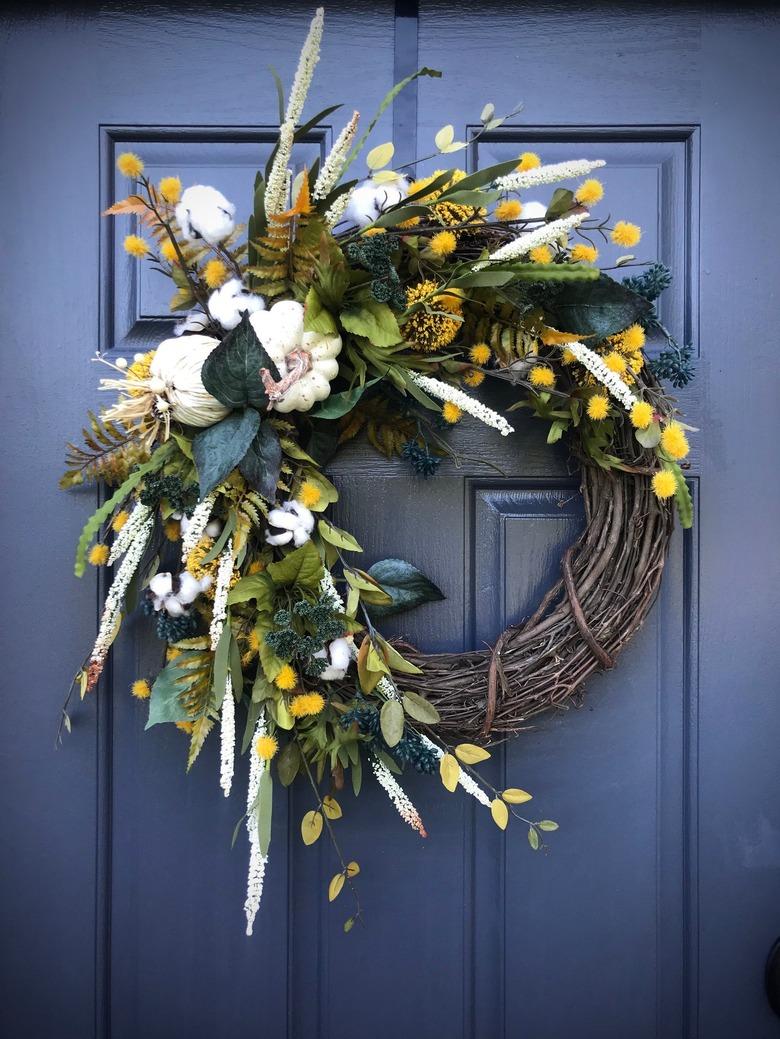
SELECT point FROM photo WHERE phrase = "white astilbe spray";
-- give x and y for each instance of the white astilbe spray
(443, 391)
(228, 713)
(257, 861)
(116, 593)
(524, 243)
(127, 535)
(464, 779)
(196, 526)
(329, 590)
(276, 190)
(392, 788)
(310, 55)
(334, 164)
(338, 209)
(597, 367)
(549, 174)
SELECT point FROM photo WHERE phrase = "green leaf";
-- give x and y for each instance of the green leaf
(380, 155)
(650, 437)
(420, 709)
(374, 320)
(265, 800)
(393, 217)
(471, 754)
(315, 317)
(218, 449)
(335, 886)
(231, 372)
(533, 838)
(189, 672)
(547, 825)
(682, 497)
(311, 827)
(288, 764)
(444, 137)
(595, 308)
(481, 178)
(557, 429)
(561, 202)
(482, 279)
(405, 584)
(391, 722)
(338, 404)
(336, 536)
(221, 663)
(260, 465)
(259, 587)
(301, 567)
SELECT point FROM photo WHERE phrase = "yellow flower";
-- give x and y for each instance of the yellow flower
(172, 529)
(635, 361)
(598, 407)
(98, 555)
(541, 376)
(266, 747)
(443, 243)
(370, 231)
(305, 704)
(626, 234)
(479, 353)
(195, 561)
(185, 726)
(254, 641)
(130, 165)
(589, 192)
(119, 521)
(510, 209)
(214, 273)
(170, 189)
(584, 253)
(674, 441)
(568, 357)
(615, 362)
(451, 413)
(641, 414)
(256, 566)
(664, 484)
(446, 213)
(141, 689)
(171, 653)
(630, 339)
(168, 251)
(541, 254)
(474, 378)
(286, 679)
(136, 246)
(429, 331)
(528, 161)
(309, 494)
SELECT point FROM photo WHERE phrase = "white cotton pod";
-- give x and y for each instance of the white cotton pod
(213, 529)
(195, 321)
(292, 522)
(362, 209)
(533, 211)
(177, 364)
(230, 301)
(189, 588)
(339, 654)
(204, 212)
(161, 586)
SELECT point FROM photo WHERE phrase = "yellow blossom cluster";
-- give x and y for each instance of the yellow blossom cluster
(306, 704)
(446, 213)
(431, 327)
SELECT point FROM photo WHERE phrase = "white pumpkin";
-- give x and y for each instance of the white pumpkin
(175, 376)
(306, 360)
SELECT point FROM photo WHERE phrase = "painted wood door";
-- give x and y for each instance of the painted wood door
(654, 911)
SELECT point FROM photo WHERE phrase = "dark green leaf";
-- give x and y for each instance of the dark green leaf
(338, 404)
(192, 668)
(482, 177)
(406, 585)
(595, 308)
(561, 202)
(218, 449)
(231, 372)
(302, 567)
(260, 465)
(265, 796)
(288, 764)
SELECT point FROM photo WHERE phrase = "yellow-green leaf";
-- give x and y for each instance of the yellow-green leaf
(500, 813)
(380, 156)
(454, 146)
(533, 838)
(311, 827)
(471, 754)
(335, 886)
(444, 137)
(331, 807)
(516, 797)
(449, 770)
(548, 825)
(385, 177)
(352, 869)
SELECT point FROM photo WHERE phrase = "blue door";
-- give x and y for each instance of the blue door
(654, 912)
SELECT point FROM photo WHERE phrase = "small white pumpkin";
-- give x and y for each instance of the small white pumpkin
(280, 330)
(175, 376)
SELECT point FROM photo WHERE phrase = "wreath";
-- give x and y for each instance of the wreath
(375, 307)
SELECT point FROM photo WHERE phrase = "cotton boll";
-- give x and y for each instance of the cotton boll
(228, 303)
(160, 586)
(195, 321)
(369, 199)
(213, 529)
(292, 522)
(339, 654)
(189, 588)
(284, 538)
(533, 211)
(205, 213)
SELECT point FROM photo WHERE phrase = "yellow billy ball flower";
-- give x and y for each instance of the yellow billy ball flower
(136, 246)
(184, 727)
(443, 243)
(584, 253)
(141, 689)
(309, 494)
(641, 414)
(567, 356)
(615, 362)
(170, 189)
(168, 251)
(674, 441)
(474, 378)
(215, 273)
(266, 747)
(306, 704)
(528, 161)
(286, 679)
(172, 529)
(479, 353)
(371, 231)
(625, 234)
(119, 520)
(171, 653)
(631, 339)
(589, 192)
(256, 566)
(541, 376)
(541, 254)
(98, 555)
(451, 413)
(510, 209)
(130, 165)
(598, 407)
(664, 484)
